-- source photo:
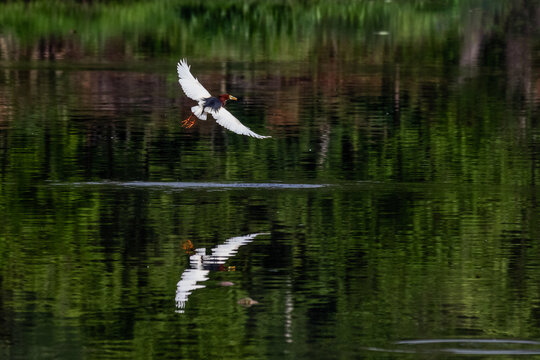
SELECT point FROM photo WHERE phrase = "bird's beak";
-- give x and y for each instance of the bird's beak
(232, 97)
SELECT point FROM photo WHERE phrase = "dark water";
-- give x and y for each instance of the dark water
(393, 214)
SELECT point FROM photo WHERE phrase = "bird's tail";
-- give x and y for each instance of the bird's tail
(198, 111)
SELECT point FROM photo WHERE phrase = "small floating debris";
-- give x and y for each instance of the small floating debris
(226, 283)
(382, 33)
(247, 302)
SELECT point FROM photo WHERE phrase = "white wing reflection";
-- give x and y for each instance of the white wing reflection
(201, 264)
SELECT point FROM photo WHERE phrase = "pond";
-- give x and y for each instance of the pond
(393, 214)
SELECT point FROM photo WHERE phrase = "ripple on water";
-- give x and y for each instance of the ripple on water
(199, 185)
(465, 347)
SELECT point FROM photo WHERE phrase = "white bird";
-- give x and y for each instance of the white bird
(208, 104)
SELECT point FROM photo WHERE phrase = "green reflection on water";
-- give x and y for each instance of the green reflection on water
(423, 124)
(437, 102)
(243, 29)
(93, 269)
(82, 125)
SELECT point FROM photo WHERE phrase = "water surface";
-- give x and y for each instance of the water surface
(392, 215)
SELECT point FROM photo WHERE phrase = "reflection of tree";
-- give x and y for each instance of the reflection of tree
(473, 34)
(46, 48)
(360, 105)
(294, 30)
(417, 258)
(518, 53)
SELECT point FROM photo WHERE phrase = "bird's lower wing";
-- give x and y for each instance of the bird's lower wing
(191, 86)
(228, 121)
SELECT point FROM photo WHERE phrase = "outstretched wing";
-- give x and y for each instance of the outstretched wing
(191, 86)
(228, 121)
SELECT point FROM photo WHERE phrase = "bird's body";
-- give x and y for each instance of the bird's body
(208, 104)
(212, 103)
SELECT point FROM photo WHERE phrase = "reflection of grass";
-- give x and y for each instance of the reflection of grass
(232, 28)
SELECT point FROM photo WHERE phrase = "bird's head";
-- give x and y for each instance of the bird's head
(224, 97)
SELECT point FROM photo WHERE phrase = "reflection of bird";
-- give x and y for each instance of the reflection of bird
(209, 104)
(201, 264)
(188, 246)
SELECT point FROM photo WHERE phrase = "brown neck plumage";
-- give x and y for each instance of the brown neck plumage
(223, 98)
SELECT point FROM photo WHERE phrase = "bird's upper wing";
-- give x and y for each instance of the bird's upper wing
(228, 121)
(191, 86)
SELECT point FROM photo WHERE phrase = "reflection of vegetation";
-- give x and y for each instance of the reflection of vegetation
(68, 133)
(422, 255)
(236, 29)
(400, 261)
(341, 110)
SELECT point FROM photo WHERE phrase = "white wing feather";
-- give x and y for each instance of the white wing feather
(228, 121)
(191, 86)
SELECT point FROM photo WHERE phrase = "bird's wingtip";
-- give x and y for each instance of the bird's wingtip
(255, 135)
(183, 62)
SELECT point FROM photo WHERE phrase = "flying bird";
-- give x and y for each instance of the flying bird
(208, 104)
